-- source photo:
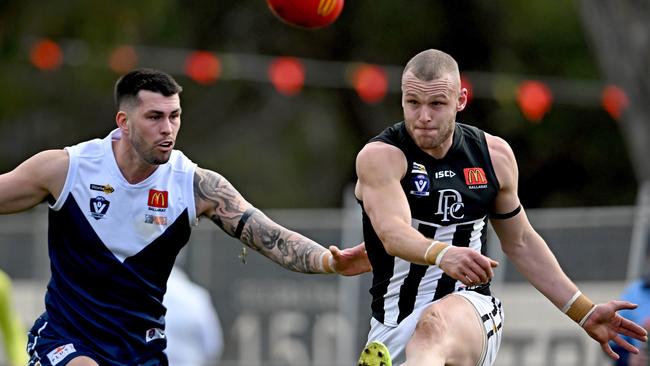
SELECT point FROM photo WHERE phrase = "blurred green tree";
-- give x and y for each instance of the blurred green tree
(299, 151)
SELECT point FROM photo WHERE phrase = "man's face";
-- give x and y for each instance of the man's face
(153, 126)
(430, 108)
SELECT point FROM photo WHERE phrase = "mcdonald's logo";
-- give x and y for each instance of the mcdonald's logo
(158, 198)
(325, 7)
(474, 176)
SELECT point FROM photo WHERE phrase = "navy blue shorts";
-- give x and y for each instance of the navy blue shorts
(46, 347)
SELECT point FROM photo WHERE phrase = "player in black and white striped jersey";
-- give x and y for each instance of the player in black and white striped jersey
(427, 187)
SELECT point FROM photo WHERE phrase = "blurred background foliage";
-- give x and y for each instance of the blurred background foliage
(298, 151)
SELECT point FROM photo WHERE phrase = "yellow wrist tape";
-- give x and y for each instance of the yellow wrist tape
(580, 308)
(433, 251)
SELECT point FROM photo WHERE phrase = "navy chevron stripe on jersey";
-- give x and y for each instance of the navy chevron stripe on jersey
(112, 245)
(450, 199)
(107, 295)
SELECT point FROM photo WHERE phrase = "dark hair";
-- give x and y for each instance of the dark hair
(128, 86)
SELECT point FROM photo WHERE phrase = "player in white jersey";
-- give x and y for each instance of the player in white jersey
(121, 208)
(427, 187)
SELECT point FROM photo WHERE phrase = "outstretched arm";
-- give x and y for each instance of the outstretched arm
(33, 180)
(533, 258)
(219, 201)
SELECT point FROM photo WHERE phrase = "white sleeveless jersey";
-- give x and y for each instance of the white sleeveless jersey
(112, 245)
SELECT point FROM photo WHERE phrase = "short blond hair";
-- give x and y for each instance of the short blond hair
(432, 64)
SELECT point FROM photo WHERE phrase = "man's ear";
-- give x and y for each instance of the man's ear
(122, 121)
(462, 99)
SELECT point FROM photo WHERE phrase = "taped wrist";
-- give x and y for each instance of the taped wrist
(434, 252)
(578, 308)
(327, 262)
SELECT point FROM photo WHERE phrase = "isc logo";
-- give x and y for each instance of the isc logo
(445, 174)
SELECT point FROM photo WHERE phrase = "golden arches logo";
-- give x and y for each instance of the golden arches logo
(325, 7)
(474, 176)
(158, 198)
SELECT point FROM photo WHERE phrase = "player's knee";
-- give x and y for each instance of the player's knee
(432, 324)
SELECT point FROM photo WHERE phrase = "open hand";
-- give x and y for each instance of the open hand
(350, 261)
(605, 325)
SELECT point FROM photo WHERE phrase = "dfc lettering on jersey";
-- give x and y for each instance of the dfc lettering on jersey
(450, 202)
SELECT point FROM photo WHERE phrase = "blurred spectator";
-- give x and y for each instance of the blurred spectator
(193, 330)
(637, 292)
(14, 337)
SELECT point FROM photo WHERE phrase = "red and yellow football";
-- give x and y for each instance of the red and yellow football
(310, 14)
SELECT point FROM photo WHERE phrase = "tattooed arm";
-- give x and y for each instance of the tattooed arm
(219, 201)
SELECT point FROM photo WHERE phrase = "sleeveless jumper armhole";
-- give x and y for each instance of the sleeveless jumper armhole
(488, 159)
(69, 179)
(189, 191)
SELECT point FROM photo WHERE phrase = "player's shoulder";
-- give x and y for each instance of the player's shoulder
(379, 151)
(50, 160)
(498, 147)
(381, 159)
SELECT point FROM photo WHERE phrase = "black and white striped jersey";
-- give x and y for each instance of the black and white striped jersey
(450, 200)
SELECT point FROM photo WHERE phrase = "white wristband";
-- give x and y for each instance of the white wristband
(439, 257)
(573, 299)
(584, 318)
(330, 261)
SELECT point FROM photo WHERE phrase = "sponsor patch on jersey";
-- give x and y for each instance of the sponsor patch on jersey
(475, 178)
(420, 185)
(154, 333)
(159, 199)
(58, 354)
(106, 188)
(98, 207)
(418, 168)
(444, 174)
(155, 220)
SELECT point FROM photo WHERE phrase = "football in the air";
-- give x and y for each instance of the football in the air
(310, 14)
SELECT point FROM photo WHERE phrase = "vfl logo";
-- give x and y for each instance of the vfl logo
(449, 204)
(421, 185)
(158, 199)
(98, 207)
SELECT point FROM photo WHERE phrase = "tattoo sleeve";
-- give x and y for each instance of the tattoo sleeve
(235, 216)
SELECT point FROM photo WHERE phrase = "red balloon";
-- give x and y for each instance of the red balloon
(309, 14)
